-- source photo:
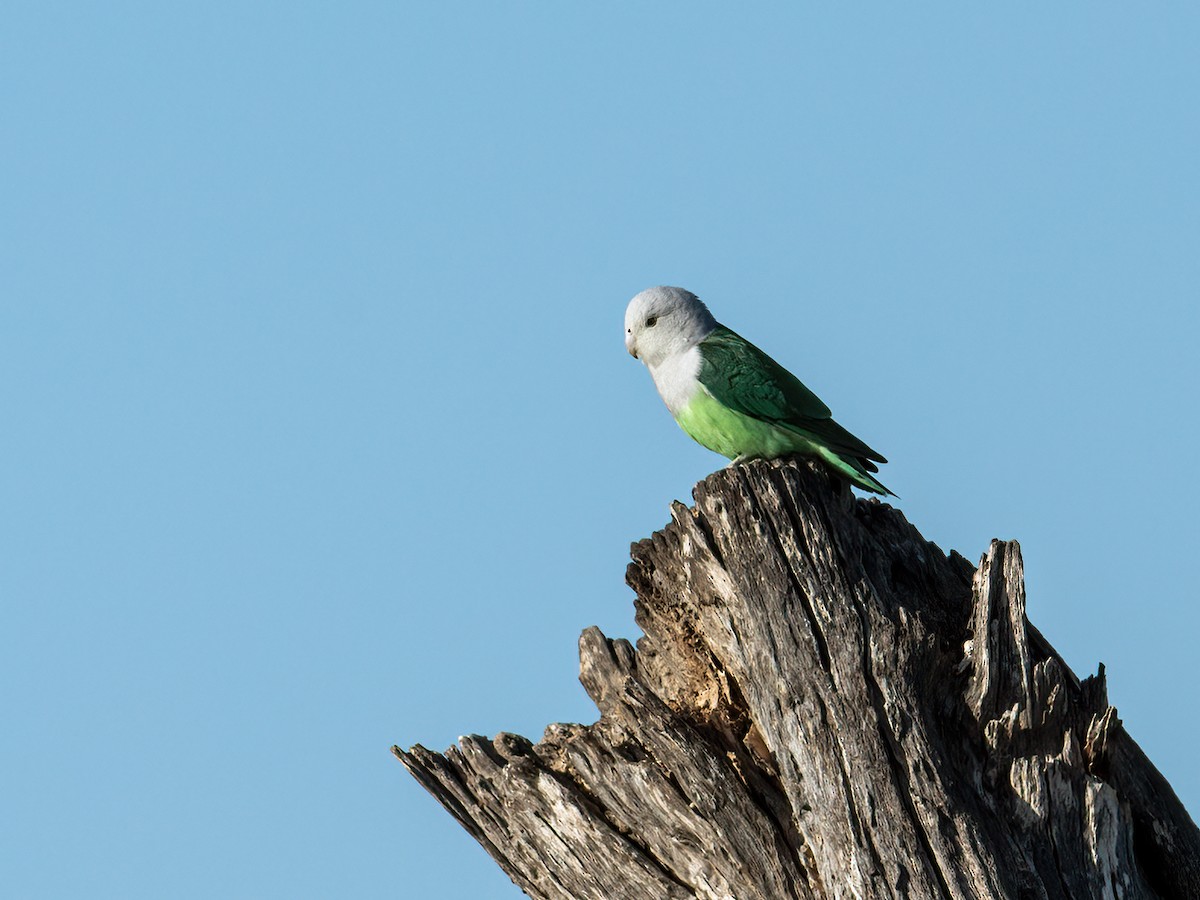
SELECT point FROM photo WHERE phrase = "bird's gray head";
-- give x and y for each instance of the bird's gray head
(663, 321)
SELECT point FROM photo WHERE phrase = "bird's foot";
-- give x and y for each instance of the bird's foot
(738, 460)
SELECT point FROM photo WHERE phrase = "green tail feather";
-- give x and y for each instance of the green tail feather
(855, 471)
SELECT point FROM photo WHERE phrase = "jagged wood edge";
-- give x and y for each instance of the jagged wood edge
(647, 693)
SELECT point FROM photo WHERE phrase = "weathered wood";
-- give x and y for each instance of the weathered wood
(824, 705)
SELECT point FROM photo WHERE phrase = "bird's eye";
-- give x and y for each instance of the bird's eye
(652, 321)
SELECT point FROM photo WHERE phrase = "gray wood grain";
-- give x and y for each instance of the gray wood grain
(824, 705)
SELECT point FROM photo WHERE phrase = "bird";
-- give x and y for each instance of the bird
(729, 396)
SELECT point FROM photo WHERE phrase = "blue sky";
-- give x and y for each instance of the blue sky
(320, 434)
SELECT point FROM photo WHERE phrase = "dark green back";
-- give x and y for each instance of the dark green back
(745, 379)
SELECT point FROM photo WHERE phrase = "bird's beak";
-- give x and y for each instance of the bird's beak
(631, 346)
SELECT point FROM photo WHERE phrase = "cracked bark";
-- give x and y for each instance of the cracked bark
(824, 705)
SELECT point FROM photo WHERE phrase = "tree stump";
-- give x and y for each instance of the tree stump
(824, 705)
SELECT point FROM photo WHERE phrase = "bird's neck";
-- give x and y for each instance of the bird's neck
(677, 378)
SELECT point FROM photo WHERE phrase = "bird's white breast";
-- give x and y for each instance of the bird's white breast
(677, 378)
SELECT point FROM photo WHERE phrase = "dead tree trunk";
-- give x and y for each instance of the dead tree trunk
(824, 705)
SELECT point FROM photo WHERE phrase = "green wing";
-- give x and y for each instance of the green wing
(745, 379)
